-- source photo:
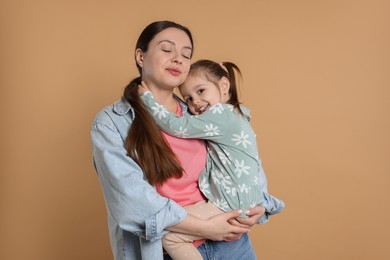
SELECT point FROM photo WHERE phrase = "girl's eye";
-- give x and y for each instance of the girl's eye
(188, 100)
(200, 91)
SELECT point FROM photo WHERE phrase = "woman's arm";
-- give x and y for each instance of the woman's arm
(216, 228)
(130, 200)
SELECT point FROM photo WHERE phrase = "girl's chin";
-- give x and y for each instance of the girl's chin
(194, 112)
(203, 110)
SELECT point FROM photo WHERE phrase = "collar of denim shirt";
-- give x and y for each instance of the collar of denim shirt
(122, 106)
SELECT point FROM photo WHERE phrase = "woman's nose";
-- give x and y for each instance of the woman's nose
(177, 58)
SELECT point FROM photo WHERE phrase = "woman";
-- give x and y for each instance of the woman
(131, 157)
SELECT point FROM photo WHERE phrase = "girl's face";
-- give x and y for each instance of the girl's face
(166, 63)
(200, 93)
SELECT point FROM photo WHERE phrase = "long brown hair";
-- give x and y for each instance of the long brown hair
(144, 143)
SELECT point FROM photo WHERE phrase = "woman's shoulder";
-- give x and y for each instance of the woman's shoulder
(115, 112)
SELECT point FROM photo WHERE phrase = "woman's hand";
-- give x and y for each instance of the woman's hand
(216, 228)
(219, 228)
(254, 215)
(142, 88)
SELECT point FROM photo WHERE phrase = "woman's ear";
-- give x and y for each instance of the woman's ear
(224, 85)
(139, 57)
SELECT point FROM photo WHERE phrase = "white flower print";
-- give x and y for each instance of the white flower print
(220, 179)
(217, 108)
(224, 156)
(214, 178)
(241, 139)
(224, 159)
(243, 188)
(159, 110)
(232, 190)
(182, 132)
(211, 130)
(221, 204)
(256, 180)
(240, 168)
(204, 186)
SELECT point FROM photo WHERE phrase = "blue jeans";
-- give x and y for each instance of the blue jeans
(220, 250)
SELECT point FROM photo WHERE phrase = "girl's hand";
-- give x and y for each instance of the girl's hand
(142, 88)
(254, 215)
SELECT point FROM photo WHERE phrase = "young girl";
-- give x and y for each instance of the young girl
(230, 180)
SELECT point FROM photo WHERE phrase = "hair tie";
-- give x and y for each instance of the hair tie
(223, 67)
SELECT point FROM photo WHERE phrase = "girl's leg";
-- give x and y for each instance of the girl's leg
(178, 245)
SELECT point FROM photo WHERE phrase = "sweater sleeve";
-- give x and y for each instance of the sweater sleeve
(210, 125)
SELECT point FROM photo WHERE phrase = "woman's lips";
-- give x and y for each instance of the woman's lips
(174, 72)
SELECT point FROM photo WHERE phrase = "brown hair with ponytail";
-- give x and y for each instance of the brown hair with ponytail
(214, 71)
(144, 143)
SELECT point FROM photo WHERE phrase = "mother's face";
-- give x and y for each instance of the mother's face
(167, 61)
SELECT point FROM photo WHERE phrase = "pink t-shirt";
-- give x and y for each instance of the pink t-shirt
(192, 156)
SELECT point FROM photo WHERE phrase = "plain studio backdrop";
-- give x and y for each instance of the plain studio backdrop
(316, 76)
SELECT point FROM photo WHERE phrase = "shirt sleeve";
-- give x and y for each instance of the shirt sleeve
(210, 125)
(272, 204)
(131, 201)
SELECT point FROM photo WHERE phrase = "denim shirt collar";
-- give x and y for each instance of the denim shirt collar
(122, 106)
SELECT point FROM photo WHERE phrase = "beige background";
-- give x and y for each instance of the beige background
(316, 77)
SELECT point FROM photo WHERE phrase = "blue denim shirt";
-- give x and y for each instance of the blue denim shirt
(137, 214)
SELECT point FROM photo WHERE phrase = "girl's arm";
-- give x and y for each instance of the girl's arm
(210, 125)
(254, 216)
